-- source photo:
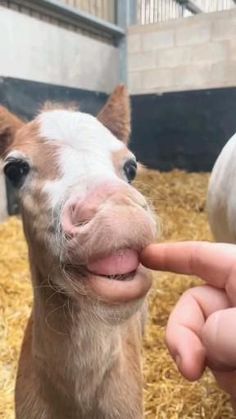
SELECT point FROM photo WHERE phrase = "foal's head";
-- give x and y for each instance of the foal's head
(84, 221)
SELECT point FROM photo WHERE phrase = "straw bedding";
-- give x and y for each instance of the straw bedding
(179, 200)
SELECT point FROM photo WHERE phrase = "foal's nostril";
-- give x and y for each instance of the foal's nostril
(81, 223)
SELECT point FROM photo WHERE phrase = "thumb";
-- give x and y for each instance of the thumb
(219, 339)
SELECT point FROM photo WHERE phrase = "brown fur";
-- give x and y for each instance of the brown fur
(50, 106)
(9, 124)
(116, 114)
(119, 158)
(74, 366)
(42, 153)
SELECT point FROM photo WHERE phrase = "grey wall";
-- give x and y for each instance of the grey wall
(191, 53)
(33, 49)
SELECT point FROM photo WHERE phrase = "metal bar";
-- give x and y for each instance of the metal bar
(72, 16)
(132, 11)
(191, 6)
(125, 15)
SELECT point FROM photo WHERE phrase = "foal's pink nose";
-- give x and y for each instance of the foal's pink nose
(79, 211)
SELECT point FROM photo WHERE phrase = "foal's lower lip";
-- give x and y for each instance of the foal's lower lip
(117, 292)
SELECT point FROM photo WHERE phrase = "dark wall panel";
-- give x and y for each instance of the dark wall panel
(183, 130)
(25, 97)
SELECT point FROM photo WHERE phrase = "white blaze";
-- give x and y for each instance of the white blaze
(84, 153)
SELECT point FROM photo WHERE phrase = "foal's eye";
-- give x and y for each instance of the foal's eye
(130, 169)
(16, 171)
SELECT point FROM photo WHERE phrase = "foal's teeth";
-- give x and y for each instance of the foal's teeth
(123, 277)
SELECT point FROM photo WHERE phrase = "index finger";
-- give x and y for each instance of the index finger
(213, 262)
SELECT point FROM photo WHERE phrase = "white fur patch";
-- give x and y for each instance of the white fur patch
(78, 130)
(85, 154)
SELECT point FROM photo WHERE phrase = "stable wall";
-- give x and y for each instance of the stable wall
(197, 52)
(182, 76)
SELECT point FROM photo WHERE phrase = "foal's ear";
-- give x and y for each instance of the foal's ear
(9, 124)
(116, 114)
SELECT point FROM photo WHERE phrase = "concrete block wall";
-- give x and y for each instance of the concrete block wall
(191, 53)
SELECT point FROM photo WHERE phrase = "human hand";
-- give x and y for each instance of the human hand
(201, 330)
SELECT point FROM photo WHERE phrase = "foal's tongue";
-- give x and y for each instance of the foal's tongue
(119, 263)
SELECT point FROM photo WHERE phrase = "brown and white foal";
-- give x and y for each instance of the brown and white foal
(85, 226)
